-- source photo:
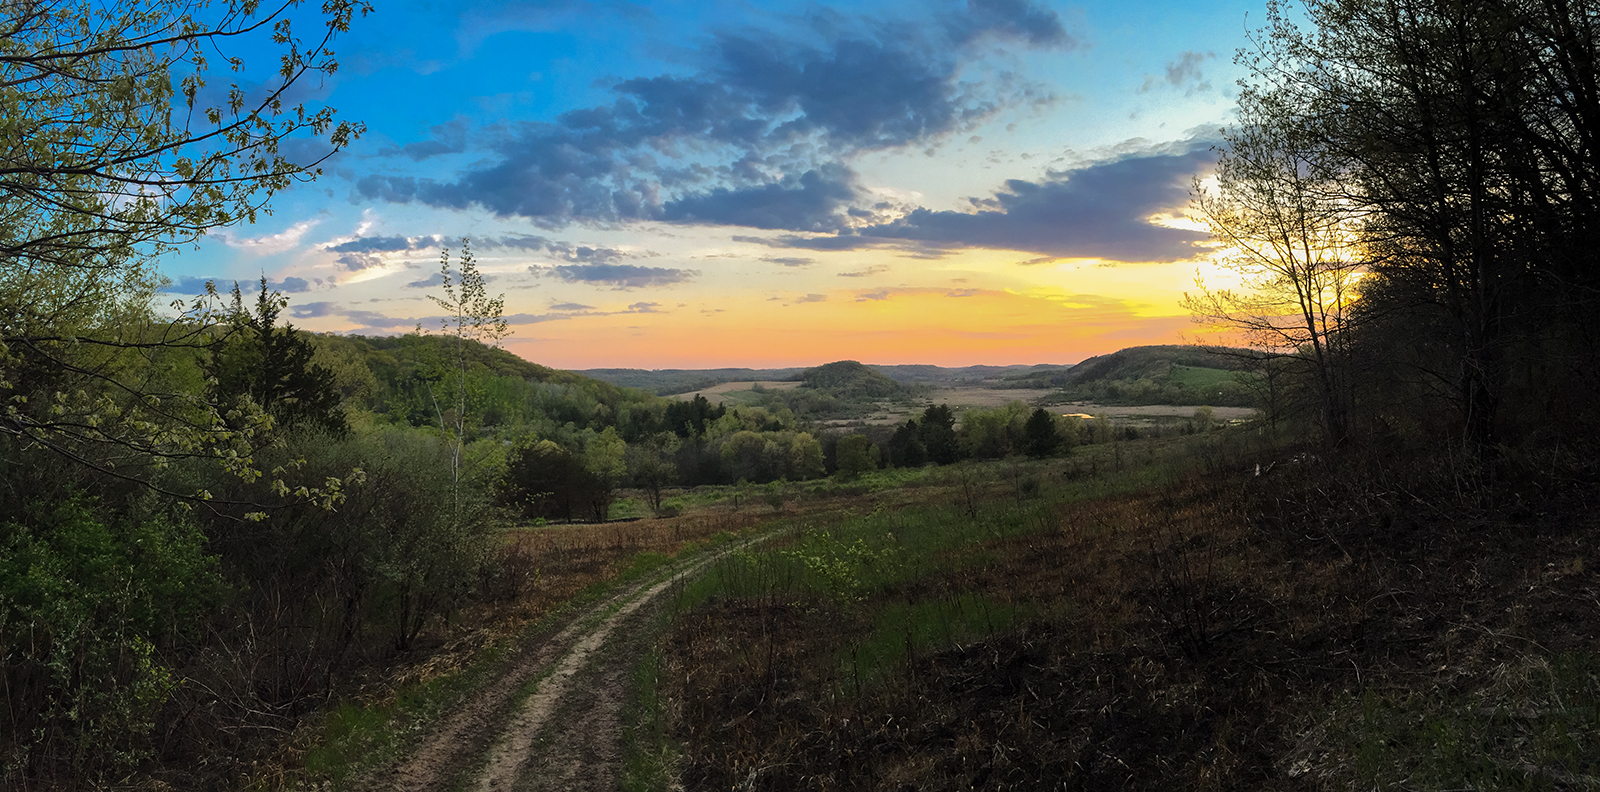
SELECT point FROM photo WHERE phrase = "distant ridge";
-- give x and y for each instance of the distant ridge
(669, 382)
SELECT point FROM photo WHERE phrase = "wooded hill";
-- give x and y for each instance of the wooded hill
(669, 382)
(1165, 374)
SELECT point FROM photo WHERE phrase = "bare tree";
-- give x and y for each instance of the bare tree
(1285, 228)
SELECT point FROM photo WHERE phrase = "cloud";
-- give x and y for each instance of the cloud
(280, 242)
(436, 279)
(571, 307)
(380, 244)
(1096, 211)
(756, 136)
(811, 202)
(1099, 211)
(789, 261)
(313, 310)
(197, 285)
(1183, 73)
(622, 276)
(812, 298)
(645, 307)
(355, 262)
(862, 273)
(844, 241)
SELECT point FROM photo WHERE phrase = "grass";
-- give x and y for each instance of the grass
(1136, 623)
(1196, 378)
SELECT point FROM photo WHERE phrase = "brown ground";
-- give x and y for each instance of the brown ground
(1202, 636)
(489, 742)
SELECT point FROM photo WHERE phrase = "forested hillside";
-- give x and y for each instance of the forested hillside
(1169, 374)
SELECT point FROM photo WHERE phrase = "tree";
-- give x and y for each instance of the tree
(938, 434)
(1040, 436)
(1465, 134)
(651, 467)
(114, 149)
(1288, 231)
(470, 315)
(273, 367)
(856, 455)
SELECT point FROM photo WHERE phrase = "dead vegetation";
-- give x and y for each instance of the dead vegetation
(1306, 631)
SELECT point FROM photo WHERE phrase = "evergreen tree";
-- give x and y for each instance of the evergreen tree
(273, 366)
(1039, 434)
(938, 434)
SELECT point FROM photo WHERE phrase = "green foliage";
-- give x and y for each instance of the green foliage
(852, 380)
(768, 456)
(85, 605)
(273, 367)
(855, 455)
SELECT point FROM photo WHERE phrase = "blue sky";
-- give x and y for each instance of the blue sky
(709, 184)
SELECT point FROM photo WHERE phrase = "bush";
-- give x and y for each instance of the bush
(83, 603)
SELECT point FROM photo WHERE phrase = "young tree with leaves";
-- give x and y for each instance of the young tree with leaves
(115, 148)
(471, 315)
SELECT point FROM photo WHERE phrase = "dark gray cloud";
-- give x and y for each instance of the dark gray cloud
(194, 285)
(355, 262)
(1185, 72)
(436, 279)
(645, 307)
(770, 118)
(844, 241)
(1098, 211)
(622, 276)
(313, 310)
(378, 244)
(811, 202)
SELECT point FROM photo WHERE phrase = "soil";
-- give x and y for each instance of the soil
(580, 674)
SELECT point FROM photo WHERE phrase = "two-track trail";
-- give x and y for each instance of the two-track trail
(567, 733)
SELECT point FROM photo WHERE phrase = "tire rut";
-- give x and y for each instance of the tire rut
(488, 744)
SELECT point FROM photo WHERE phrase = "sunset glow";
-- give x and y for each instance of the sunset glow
(655, 185)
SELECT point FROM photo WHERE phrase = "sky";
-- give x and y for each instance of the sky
(714, 184)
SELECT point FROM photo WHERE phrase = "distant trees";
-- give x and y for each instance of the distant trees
(855, 454)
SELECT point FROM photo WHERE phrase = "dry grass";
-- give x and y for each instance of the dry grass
(1205, 635)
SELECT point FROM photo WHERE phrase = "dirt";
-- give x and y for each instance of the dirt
(580, 673)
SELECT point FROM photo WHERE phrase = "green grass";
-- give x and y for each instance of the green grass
(1197, 378)
(901, 630)
(1535, 727)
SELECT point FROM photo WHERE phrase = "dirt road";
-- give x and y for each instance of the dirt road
(567, 733)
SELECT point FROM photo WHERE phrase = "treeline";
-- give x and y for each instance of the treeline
(938, 436)
(1412, 193)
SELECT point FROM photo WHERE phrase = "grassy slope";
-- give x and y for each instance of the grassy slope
(1209, 632)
